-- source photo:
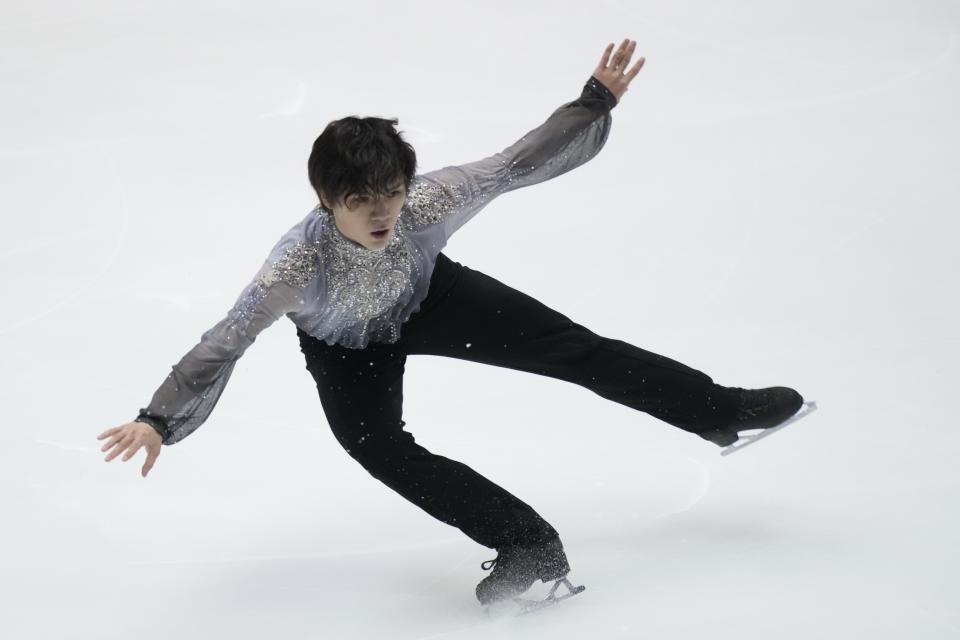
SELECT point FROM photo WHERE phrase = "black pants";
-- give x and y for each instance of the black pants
(471, 316)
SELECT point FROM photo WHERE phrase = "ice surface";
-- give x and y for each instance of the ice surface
(776, 205)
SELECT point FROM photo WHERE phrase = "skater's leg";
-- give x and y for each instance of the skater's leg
(361, 391)
(483, 320)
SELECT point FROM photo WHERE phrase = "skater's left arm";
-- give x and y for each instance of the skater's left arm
(570, 136)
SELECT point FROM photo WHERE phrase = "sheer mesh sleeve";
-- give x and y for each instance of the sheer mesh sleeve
(572, 134)
(191, 390)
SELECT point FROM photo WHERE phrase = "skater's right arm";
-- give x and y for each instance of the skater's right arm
(190, 391)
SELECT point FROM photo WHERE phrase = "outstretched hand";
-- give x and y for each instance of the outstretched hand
(131, 437)
(611, 72)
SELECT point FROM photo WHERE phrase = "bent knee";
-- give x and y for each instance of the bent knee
(383, 453)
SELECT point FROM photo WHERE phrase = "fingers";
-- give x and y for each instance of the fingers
(114, 440)
(621, 58)
(120, 445)
(108, 432)
(605, 58)
(636, 68)
(152, 454)
(132, 449)
(128, 440)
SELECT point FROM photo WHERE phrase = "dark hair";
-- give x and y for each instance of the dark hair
(360, 155)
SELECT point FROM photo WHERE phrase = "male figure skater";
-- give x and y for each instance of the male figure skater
(363, 279)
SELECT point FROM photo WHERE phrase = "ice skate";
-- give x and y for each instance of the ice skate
(527, 605)
(769, 409)
(516, 568)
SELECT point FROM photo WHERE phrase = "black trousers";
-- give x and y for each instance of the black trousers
(471, 316)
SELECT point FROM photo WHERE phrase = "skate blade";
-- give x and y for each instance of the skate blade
(529, 606)
(747, 440)
(519, 606)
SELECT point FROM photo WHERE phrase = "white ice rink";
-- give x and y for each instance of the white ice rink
(776, 205)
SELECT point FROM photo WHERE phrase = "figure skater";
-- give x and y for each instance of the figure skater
(363, 279)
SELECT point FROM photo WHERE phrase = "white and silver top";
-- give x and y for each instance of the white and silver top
(344, 293)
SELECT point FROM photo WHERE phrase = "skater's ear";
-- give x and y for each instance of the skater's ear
(326, 201)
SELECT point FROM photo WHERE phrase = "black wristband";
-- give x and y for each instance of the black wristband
(157, 425)
(601, 89)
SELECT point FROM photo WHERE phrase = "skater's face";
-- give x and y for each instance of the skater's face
(359, 215)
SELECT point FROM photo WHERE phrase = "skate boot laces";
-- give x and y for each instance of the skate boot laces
(516, 568)
(492, 563)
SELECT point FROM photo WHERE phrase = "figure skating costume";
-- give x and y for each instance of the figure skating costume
(360, 312)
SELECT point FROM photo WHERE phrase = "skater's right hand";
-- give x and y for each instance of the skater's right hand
(130, 437)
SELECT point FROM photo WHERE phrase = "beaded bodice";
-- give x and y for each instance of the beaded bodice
(344, 293)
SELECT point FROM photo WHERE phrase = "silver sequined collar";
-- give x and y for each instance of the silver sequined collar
(368, 291)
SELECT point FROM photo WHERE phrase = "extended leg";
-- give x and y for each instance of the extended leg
(483, 320)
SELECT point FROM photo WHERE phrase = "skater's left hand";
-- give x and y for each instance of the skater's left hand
(614, 77)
